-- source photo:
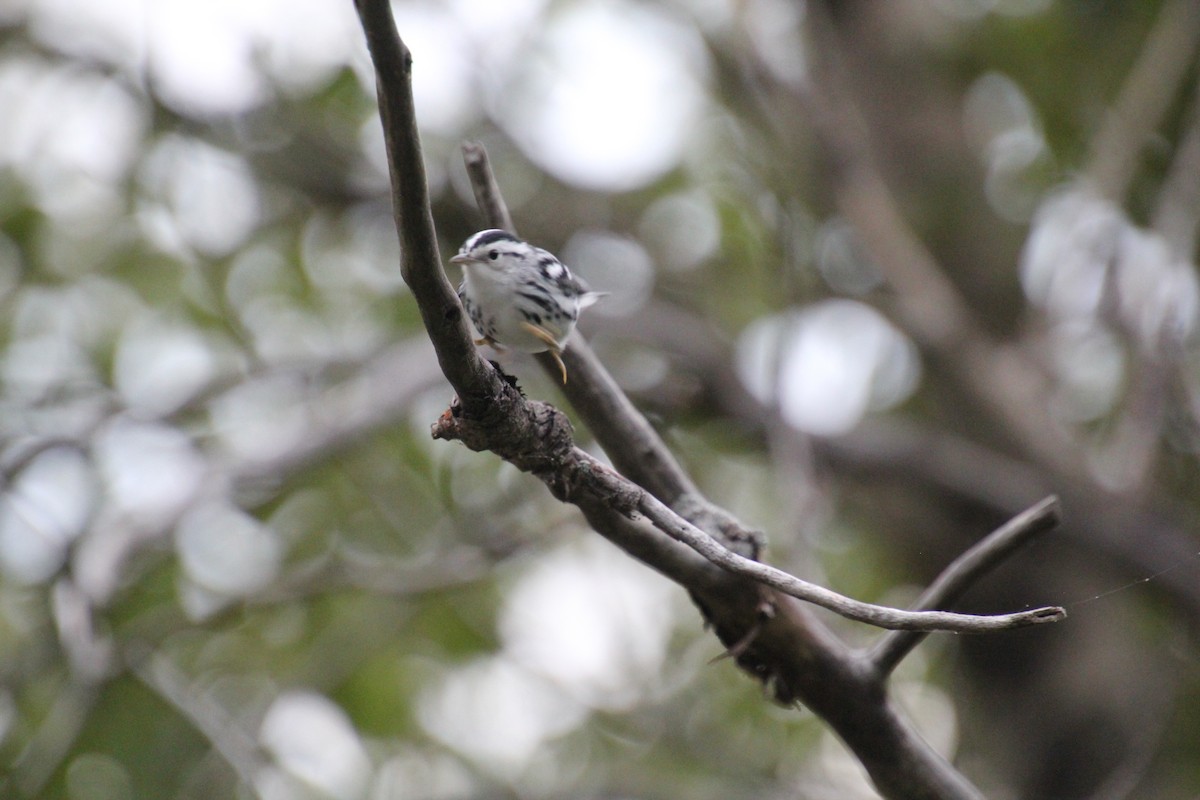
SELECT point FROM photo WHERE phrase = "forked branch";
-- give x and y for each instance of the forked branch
(962, 572)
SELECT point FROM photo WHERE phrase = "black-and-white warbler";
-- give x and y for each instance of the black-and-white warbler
(518, 295)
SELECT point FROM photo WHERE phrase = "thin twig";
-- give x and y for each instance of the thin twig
(963, 572)
(881, 616)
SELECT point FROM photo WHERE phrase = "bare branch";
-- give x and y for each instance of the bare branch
(965, 571)
(536, 438)
(880, 616)
(537, 441)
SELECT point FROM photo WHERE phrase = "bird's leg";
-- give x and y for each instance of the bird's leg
(540, 333)
(551, 345)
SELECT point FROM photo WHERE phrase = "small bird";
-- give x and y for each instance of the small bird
(518, 295)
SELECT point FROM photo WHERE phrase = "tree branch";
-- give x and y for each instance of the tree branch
(539, 441)
(964, 571)
(880, 616)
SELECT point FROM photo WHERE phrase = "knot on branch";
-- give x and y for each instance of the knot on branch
(533, 436)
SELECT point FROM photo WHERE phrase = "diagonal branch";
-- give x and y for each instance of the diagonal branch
(540, 443)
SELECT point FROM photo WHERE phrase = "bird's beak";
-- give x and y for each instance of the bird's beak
(461, 258)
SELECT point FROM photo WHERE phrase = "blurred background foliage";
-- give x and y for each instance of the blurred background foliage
(233, 563)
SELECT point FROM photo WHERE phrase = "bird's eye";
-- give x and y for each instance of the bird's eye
(493, 254)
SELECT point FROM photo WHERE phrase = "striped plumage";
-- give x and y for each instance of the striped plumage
(518, 295)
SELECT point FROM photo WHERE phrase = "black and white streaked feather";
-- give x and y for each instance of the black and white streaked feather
(518, 295)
